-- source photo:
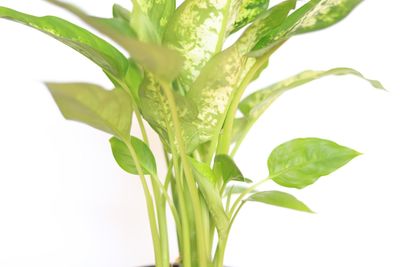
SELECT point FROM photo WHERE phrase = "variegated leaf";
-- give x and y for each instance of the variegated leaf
(196, 30)
(150, 18)
(247, 12)
(314, 15)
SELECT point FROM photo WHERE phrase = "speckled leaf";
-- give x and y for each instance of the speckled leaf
(248, 11)
(212, 92)
(265, 24)
(88, 44)
(109, 111)
(150, 17)
(301, 162)
(206, 181)
(197, 31)
(314, 15)
(279, 199)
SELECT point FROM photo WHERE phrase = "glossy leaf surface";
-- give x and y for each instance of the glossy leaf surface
(88, 44)
(279, 199)
(300, 162)
(109, 111)
(124, 158)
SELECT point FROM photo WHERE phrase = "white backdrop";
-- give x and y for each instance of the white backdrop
(64, 202)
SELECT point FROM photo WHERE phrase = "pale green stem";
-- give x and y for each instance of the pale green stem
(150, 206)
(185, 246)
(201, 245)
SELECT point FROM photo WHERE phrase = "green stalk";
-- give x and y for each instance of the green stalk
(185, 246)
(201, 245)
(159, 199)
(150, 206)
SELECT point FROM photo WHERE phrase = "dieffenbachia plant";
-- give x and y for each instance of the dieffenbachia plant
(180, 78)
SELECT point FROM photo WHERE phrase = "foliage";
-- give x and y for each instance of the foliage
(188, 87)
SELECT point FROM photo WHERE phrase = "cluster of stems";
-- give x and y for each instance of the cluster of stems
(200, 244)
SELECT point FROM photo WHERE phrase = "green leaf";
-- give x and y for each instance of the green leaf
(150, 17)
(206, 181)
(314, 15)
(247, 12)
(91, 46)
(264, 25)
(300, 162)
(125, 160)
(109, 111)
(227, 168)
(262, 99)
(196, 30)
(279, 199)
(117, 24)
(119, 12)
(212, 92)
(258, 102)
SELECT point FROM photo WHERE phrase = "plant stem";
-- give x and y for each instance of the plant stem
(150, 206)
(243, 195)
(201, 245)
(185, 246)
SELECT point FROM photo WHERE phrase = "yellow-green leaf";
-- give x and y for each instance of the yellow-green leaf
(109, 111)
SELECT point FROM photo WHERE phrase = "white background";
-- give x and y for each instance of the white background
(64, 202)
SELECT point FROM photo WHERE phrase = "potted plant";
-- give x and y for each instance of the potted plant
(188, 85)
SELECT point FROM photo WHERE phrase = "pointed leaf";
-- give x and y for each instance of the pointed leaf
(196, 30)
(91, 46)
(228, 169)
(300, 162)
(314, 15)
(256, 102)
(125, 160)
(236, 189)
(206, 179)
(279, 199)
(109, 111)
(119, 25)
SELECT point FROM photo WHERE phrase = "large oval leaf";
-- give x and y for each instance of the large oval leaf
(300, 162)
(88, 44)
(279, 199)
(124, 157)
(109, 111)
